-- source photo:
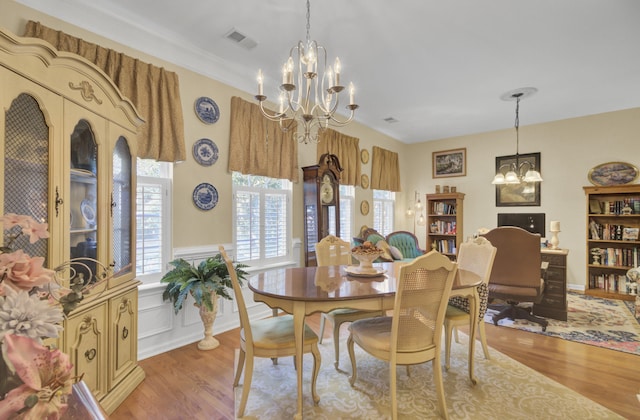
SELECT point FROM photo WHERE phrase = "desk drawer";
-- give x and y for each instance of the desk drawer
(552, 259)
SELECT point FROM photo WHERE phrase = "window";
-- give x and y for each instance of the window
(153, 219)
(383, 211)
(347, 199)
(262, 211)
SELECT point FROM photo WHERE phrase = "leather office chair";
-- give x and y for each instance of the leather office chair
(477, 256)
(269, 337)
(517, 274)
(334, 251)
(414, 333)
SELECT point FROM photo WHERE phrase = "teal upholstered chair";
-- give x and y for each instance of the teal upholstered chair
(406, 242)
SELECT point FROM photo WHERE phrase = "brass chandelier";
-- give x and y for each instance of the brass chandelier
(306, 97)
(520, 170)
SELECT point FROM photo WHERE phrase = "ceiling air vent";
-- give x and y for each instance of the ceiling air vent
(240, 39)
(390, 120)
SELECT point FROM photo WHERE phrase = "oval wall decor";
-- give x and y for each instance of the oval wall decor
(613, 173)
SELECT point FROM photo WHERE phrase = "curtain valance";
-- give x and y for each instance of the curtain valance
(347, 149)
(385, 170)
(258, 146)
(153, 90)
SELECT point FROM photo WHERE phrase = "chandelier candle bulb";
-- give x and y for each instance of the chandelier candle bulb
(337, 68)
(260, 80)
(352, 94)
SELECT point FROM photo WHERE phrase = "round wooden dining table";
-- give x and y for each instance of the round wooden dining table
(303, 291)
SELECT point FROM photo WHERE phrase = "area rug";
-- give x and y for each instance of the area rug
(505, 389)
(590, 320)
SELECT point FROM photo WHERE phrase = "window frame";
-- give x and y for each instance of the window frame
(165, 182)
(385, 200)
(287, 193)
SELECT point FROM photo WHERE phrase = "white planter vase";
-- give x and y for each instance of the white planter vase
(209, 342)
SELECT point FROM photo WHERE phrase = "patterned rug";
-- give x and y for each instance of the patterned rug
(505, 389)
(591, 320)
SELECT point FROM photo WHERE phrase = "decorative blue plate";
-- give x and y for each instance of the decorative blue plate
(205, 196)
(205, 152)
(207, 110)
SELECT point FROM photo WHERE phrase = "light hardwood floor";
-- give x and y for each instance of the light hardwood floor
(190, 384)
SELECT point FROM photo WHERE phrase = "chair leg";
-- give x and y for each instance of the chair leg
(352, 357)
(246, 386)
(241, 358)
(323, 319)
(483, 339)
(437, 377)
(336, 343)
(455, 332)
(393, 374)
(447, 344)
(316, 368)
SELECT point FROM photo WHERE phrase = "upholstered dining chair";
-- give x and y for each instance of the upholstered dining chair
(332, 250)
(475, 255)
(518, 273)
(269, 338)
(414, 333)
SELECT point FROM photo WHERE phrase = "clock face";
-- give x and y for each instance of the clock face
(326, 193)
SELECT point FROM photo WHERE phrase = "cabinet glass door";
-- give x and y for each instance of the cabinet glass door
(121, 196)
(83, 200)
(26, 169)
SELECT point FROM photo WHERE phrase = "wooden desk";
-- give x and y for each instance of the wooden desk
(303, 291)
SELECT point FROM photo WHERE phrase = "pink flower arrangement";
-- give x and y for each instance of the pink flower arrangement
(34, 379)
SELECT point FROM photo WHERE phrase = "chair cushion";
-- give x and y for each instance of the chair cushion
(396, 253)
(373, 333)
(384, 246)
(277, 333)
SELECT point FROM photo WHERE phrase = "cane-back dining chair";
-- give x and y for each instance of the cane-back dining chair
(475, 255)
(414, 333)
(269, 338)
(332, 250)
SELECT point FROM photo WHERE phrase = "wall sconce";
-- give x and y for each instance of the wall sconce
(417, 207)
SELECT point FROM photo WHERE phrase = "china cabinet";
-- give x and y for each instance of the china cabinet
(69, 160)
(321, 203)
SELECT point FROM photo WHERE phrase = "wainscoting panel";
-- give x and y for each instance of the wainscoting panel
(161, 330)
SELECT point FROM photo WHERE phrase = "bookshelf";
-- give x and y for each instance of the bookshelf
(613, 246)
(444, 223)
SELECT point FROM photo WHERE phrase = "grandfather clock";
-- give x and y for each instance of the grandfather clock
(321, 203)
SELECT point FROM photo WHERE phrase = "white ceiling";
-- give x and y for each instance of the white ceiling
(437, 67)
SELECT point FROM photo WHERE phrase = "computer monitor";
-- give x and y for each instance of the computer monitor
(532, 222)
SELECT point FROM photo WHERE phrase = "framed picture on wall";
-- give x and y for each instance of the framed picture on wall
(449, 163)
(524, 193)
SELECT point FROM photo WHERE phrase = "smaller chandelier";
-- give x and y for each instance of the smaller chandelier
(414, 209)
(520, 170)
(306, 97)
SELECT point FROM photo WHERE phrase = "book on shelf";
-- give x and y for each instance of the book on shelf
(630, 234)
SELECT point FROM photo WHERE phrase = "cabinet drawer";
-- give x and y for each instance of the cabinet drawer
(554, 288)
(554, 301)
(552, 259)
(555, 274)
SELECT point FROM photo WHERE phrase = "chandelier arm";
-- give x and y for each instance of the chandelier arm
(273, 117)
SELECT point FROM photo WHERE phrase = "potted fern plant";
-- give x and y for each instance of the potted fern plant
(205, 282)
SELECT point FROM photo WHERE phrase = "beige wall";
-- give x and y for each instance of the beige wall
(568, 148)
(191, 226)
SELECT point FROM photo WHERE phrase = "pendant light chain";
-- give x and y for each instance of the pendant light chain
(308, 21)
